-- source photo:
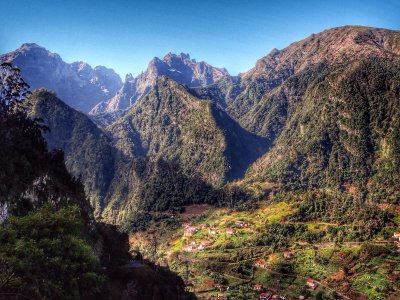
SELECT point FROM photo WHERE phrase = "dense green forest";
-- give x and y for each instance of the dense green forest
(344, 132)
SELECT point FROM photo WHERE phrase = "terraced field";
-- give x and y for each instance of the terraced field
(216, 250)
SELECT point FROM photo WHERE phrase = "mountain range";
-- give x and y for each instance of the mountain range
(78, 84)
(177, 67)
(321, 113)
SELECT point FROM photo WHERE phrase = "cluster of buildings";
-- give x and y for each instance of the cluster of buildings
(266, 295)
(215, 231)
(193, 246)
(189, 229)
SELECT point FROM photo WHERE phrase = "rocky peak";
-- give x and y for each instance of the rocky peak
(179, 67)
(29, 50)
(128, 77)
(169, 57)
(77, 84)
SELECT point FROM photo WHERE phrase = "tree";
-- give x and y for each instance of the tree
(13, 89)
(45, 255)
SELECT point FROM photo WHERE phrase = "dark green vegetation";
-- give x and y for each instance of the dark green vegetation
(30, 175)
(331, 114)
(169, 150)
(344, 132)
(191, 147)
(88, 151)
(45, 255)
(171, 124)
(50, 245)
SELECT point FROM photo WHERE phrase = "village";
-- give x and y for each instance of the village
(205, 239)
(212, 231)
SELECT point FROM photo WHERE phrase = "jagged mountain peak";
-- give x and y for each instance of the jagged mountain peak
(129, 77)
(30, 46)
(182, 56)
(77, 84)
(179, 67)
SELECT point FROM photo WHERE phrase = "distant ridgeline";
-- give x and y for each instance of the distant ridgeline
(323, 113)
(50, 244)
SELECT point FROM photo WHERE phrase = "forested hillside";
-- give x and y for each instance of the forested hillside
(88, 151)
(329, 105)
(308, 116)
(181, 151)
(51, 247)
(344, 131)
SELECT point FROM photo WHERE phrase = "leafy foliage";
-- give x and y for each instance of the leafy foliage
(48, 255)
(278, 236)
(13, 89)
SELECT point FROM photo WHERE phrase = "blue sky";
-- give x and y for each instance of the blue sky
(126, 35)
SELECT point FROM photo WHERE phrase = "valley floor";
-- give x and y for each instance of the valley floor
(233, 254)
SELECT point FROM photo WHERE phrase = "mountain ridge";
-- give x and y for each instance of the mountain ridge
(78, 84)
(179, 67)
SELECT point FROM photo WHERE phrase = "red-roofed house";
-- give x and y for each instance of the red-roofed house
(288, 254)
(260, 263)
(311, 283)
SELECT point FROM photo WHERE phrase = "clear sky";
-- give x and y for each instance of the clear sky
(127, 34)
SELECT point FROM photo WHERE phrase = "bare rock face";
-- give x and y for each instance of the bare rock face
(77, 84)
(177, 67)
